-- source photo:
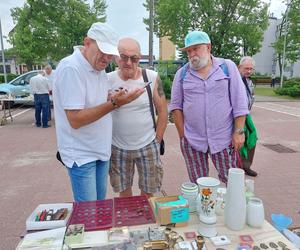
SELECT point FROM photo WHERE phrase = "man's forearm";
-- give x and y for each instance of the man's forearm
(239, 122)
(162, 121)
(178, 120)
(80, 118)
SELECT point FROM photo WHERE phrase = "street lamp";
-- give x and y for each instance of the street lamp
(2, 49)
(151, 9)
(284, 42)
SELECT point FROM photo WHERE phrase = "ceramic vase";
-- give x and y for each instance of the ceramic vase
(235, 208)
(207, 199)
(255, 212)
(190, 192)
(220, 201)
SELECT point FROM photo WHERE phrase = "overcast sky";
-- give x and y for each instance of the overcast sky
(126, 16)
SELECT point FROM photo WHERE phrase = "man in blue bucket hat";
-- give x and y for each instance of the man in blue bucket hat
(209, 106)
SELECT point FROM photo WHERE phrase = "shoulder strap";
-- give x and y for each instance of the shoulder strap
(224, 67)
(246, 85)
(145, 77)
(183, 72)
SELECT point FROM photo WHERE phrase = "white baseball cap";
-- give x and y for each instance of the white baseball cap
(105, 36)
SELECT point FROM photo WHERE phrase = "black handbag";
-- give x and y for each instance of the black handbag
(145, 77)
(58, 157)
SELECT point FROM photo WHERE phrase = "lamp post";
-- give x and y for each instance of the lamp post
(284, 41)
(2, 49)
(151, 8)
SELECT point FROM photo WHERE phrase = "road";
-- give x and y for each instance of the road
(31, 175)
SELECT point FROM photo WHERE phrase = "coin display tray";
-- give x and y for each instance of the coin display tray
(135, 210)
(95, 215)
(117, 212)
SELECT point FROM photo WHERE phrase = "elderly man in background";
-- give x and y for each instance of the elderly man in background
(135, 141)
(82, 109)
(49, 73)
(40, 88)
(246, 68)
(209, 106)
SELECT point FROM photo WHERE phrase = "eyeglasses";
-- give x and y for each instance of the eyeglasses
(249, 69)
(133, 59)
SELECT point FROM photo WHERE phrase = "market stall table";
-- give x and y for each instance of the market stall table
(266, 234)
(6, 107)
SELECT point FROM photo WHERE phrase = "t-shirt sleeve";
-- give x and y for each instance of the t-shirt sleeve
(176, 93)
(72, 88)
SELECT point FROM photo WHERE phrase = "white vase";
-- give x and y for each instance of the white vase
(208, 194)
(255, 212)
(220, 201)
(235, 208)
(190, 192)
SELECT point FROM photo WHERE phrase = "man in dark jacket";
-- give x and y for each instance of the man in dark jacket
(246, 68)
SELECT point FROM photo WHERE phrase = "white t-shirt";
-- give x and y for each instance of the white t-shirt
(78, 86)
(132, 123)
(39, 84)
(50, 78)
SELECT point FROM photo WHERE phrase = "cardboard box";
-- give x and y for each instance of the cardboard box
(32, 224)
(171, 210)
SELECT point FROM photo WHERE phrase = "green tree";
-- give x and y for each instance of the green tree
(48, 29)
(235, 27)
(289, 26)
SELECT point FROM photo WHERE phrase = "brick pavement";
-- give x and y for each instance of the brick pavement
(30, 174)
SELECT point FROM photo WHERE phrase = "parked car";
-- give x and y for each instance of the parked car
(18, 88)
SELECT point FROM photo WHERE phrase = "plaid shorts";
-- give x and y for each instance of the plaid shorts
(197, 162)
(148, 163)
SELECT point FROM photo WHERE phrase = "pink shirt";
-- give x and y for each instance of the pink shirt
(210, 105)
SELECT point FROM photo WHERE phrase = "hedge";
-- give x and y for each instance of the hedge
(290, 87)
(167, 85)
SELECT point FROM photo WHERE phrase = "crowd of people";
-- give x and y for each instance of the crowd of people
(106, 127)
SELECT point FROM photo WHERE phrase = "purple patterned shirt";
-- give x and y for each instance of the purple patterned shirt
(210, 105)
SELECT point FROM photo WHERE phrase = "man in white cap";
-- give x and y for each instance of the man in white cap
(82, 109)
(209, 105)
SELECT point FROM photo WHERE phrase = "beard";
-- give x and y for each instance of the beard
(197, 62)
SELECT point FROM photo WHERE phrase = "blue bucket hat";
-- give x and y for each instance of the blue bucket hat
(195, 37)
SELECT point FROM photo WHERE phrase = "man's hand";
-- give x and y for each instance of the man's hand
(238, 141)
(123, 96)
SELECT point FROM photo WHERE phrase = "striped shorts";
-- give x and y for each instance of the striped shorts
(197, 162)
(148, 163)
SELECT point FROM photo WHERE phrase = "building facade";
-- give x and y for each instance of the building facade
(265, 61)
(12, 67)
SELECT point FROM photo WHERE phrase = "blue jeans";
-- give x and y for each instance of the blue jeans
(42, 103)
(89, 181)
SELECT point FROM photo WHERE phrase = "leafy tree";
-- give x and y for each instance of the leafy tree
(235, 26)
(48, 29)
(289, 26)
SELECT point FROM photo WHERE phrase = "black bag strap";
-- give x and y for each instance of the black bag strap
(246, 85)
(145, 77)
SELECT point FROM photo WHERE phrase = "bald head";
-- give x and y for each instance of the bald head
(130, 45)
(128, 62)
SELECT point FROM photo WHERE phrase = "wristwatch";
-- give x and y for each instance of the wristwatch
(114, 103)
(239, 131)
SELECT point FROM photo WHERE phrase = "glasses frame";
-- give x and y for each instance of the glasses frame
(133, 59)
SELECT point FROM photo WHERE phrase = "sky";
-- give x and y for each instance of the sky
(125, 16)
